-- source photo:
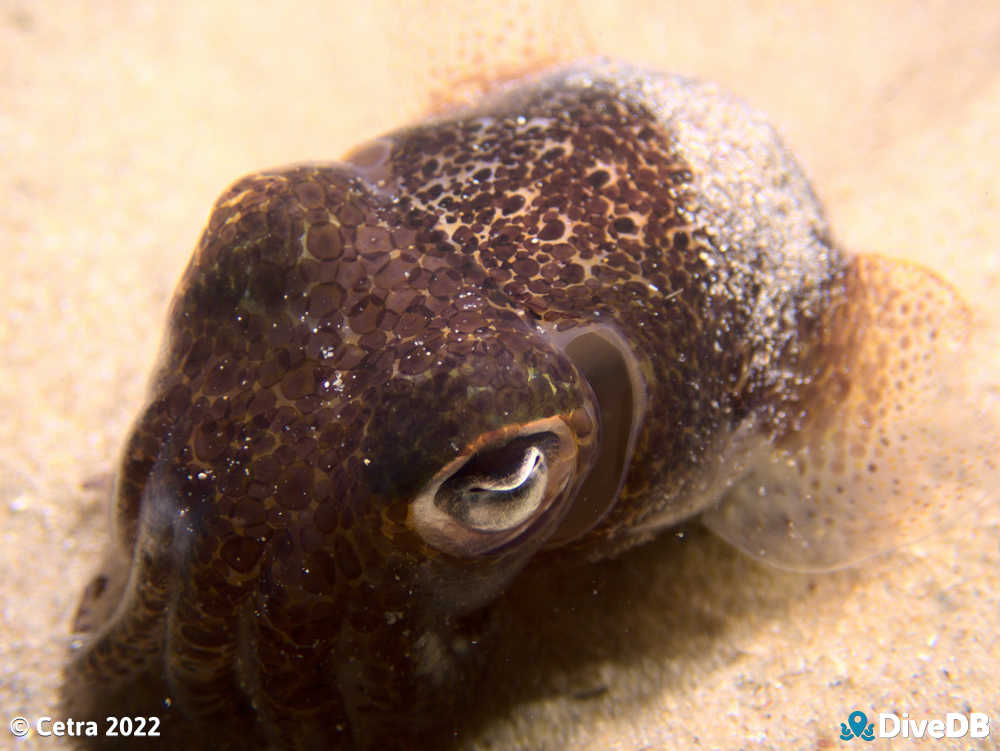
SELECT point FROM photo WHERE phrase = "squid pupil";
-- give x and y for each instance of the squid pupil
(501, 487)
(525, 473)
(501, 466)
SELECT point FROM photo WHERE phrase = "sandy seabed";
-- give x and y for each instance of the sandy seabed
(121, 121)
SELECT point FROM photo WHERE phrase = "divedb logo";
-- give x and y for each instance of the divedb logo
(889, 725)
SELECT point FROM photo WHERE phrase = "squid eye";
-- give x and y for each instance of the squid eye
(501, 487)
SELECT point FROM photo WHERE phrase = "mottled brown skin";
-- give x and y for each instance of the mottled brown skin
(344, 331)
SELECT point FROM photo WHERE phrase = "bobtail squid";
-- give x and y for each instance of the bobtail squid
(541, 328)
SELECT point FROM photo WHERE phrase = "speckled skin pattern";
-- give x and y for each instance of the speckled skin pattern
(345, 331)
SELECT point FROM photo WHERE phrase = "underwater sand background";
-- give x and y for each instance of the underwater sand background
(120, 122)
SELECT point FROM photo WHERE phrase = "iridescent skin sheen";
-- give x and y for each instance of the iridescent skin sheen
(553, 324)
